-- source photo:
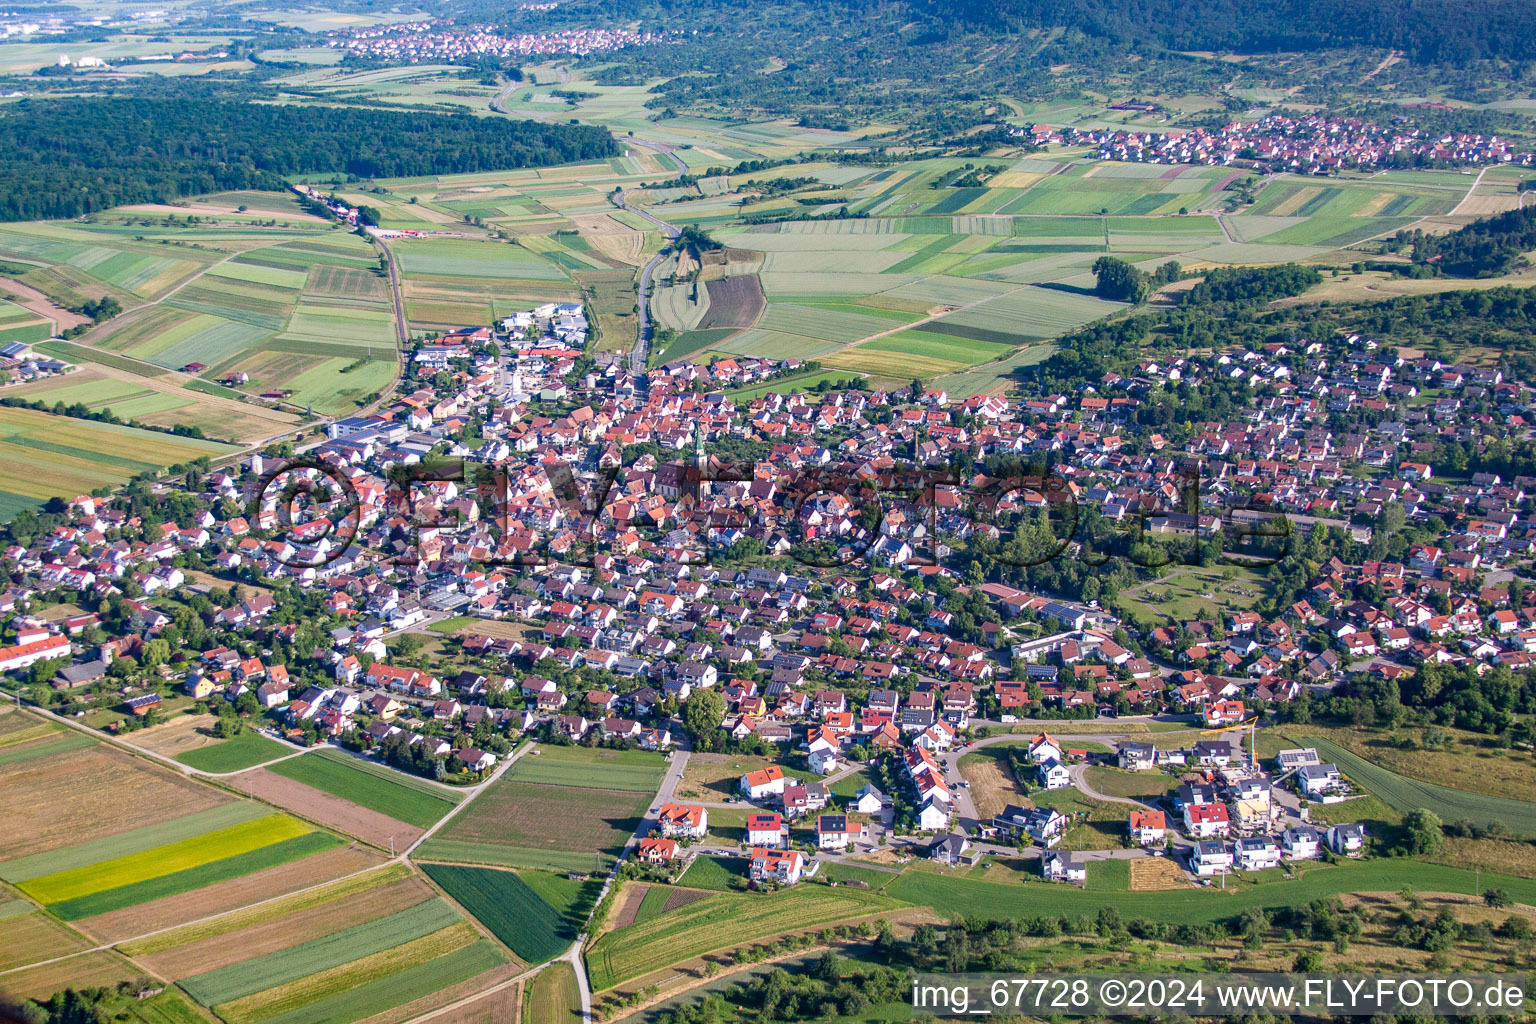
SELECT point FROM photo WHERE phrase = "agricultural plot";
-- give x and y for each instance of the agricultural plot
(93, 793)
(1027, 314)
(44, 456)
(721, 922)
(373, 786)
(824, 322)
(17, 323)
(516, 913)
(233, 755)
(594, 768)
(457, 258)
(559, 828)
(29, 937)
(735, 301)
(1404, 794)
(175, 868)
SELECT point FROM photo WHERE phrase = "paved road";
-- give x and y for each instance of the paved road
(640, 354)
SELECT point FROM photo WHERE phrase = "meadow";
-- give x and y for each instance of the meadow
(376, 787)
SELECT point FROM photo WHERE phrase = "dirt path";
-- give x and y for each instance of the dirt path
(30, 298)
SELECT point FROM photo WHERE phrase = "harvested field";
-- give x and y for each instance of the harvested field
(318, 805)
(502, 1007)
(92, 794)
(1150, 874)
(231, 895)
(32, 938)
(271, 936)
(735, 301)
(85, 971)
(992, 784)
(179, 735)
(629, 908)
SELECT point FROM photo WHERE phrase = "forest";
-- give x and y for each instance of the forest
(69, 158)
(1485, 248)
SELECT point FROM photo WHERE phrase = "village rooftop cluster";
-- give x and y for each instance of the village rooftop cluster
(416, 42)
(1316, 144)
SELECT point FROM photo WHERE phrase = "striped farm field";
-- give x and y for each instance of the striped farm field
(1035, 313)
(46, 746)
(965, 351)
(520, 824)
(44, 456)
(236, 981)
(121, 897)
(374, 786)
(822, 322)
(165, 860)
(454, 258)
(865, 360)
(374, 986)
(720, 922)
(239, 926)
(513, 911)
(591, 767)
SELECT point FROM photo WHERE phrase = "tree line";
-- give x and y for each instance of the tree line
(68, 158)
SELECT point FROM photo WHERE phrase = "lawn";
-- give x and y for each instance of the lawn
(245, 750)
(1114, 782)
(370, 785)
(513, 911)
(715, 873)
(722, 922)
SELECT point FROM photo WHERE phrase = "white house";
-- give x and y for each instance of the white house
(1064, 866)
(933, 816)
(1203, 821)
(1300, 843)
(1042, 748)
(1255, 853)
(683, 821)
(824, 762)
(1148, 828)
(1137, 757)
(1348, 840)
(1210, 858)
(1054, 775)
(781, 866)
(766, 830)
(1317, 780)
(769, 781)
(836, 831)
(868, 800)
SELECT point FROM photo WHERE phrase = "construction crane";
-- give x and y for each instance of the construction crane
(1251, 725)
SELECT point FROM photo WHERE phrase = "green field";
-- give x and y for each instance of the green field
(376, 787)
(246, 749)
(44, 456)
(514, 912)
(721, 922)
(1405, 794)
(247, 977)
(715, 873)
(530, 825)
(591, 767)
(44, 748)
